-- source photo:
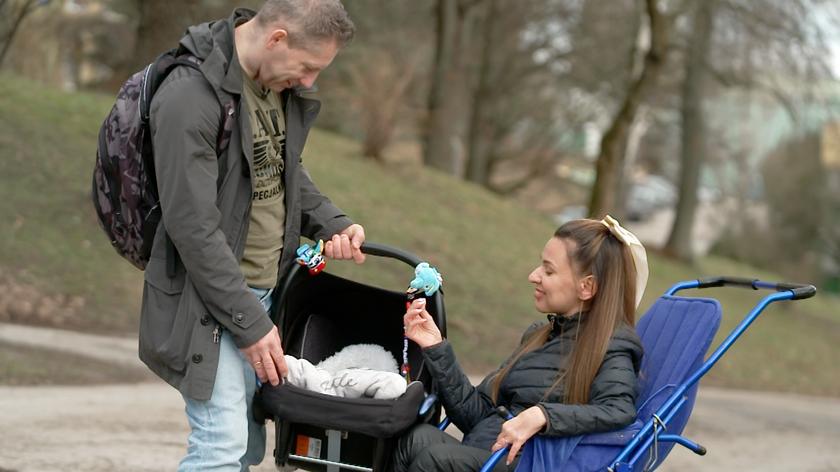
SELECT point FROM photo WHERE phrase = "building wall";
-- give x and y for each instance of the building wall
(830, 145)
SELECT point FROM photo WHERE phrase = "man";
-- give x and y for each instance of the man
(235, 220)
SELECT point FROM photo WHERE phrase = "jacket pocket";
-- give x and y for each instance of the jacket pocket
(166, 324)
(156, 276)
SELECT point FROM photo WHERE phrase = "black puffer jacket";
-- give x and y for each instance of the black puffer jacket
(612, 397)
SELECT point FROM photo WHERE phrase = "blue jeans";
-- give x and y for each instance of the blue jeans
(223, 433)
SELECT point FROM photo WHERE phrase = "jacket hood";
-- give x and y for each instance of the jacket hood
(213, 43)
(200, 39)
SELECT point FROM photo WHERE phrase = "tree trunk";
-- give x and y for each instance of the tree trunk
(161, 23)
(7, 41)
(480, 134)
(381, 91)
(443, 146)
(693, 152)
(610, 161)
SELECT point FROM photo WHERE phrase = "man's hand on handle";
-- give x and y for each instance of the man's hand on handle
(347, 244)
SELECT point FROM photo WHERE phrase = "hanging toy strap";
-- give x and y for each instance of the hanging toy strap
(427, 280)
(405, 369)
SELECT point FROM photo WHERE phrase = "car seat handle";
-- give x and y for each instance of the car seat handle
(383, 250)
(373, 249)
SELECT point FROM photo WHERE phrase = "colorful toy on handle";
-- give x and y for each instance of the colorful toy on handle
(312, 257)
(427, 280)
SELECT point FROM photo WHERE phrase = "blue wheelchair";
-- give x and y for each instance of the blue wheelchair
(676, 333)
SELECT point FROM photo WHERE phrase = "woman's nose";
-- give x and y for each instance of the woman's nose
(533, 277)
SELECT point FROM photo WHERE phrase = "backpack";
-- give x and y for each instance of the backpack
(125, 193)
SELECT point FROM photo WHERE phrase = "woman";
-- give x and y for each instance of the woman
(574, 374)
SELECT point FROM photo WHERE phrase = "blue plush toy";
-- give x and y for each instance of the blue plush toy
(427, 281)
(426, 278)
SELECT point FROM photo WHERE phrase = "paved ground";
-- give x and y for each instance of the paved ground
(141, 427)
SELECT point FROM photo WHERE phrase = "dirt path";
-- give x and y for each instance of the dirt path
(141, 427)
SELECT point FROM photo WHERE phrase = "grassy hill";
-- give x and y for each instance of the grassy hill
(51, 248)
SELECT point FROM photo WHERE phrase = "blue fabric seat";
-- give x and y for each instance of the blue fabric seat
(676, 333)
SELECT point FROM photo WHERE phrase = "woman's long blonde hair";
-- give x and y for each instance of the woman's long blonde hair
(594, 251)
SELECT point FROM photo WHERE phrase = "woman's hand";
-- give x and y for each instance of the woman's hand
(419, 325)
(518, 430)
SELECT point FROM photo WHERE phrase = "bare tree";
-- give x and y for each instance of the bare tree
(693, 149)
(797, 224)
(776, 48)
(14, 12)
(480, 128)
(378, 89)
(610, 162)
(514, 94)
(444, 147)
(160, 25)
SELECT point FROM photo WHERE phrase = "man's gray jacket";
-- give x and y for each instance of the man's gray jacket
(181, 315)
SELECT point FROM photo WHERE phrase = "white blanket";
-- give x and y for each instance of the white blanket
(360, 370)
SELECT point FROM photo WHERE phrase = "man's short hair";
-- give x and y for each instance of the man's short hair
(308, 20)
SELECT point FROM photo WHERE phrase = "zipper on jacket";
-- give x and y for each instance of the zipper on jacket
(217, 334)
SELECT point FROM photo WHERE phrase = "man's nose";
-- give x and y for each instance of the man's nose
(308, 80)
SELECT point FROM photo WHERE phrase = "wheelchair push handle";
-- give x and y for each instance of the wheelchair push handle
(800, 291)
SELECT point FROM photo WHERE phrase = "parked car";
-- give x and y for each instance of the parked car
(568, 213)
(648, 195)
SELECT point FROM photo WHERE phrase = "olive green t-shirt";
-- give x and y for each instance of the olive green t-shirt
(264, 242)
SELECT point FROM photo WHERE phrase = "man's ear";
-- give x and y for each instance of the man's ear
(276, 37)
(587, 288)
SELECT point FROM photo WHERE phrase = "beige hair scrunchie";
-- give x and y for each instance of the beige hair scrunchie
(636, 250)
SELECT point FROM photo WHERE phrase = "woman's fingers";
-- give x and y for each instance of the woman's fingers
(411, 314)
(415, 310)
(514, 450)
(502, 442)
(499, 444)
(412, 323)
